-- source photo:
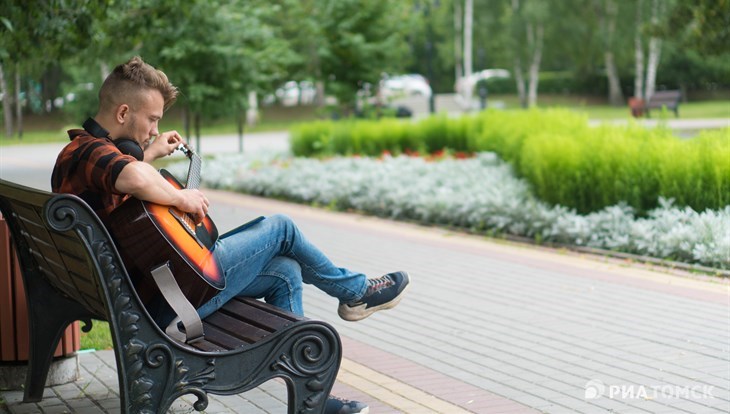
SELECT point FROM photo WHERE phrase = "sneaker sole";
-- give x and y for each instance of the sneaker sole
(358, 313)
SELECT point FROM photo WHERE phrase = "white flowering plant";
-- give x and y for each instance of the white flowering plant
(481, 194)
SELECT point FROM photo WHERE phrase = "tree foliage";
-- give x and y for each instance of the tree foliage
(702, 25)
(217, 51)
(360, 40)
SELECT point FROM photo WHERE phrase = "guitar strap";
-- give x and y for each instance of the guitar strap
(185, 311)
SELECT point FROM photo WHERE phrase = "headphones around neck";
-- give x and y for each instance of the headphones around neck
(126, 146)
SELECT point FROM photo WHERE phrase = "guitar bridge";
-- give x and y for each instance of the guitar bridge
(186, 226)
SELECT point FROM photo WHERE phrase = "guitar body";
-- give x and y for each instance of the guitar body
(150, 235)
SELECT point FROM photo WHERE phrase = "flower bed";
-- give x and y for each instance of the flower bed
(480, 194)
(565, 160)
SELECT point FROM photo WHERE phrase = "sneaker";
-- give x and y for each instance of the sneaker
(337, 405)
(383, 293)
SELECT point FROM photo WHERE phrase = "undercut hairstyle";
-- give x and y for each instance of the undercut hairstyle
(127, 80)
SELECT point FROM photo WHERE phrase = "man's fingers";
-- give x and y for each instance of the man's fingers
(173, 137)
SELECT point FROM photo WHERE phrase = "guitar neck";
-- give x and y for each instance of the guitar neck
(193, 180)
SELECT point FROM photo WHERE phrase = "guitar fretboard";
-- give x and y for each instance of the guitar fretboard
(193, 180)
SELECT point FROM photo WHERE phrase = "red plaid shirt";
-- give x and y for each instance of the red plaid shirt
(88, 167)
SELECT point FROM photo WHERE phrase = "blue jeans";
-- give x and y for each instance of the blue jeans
(271, 259)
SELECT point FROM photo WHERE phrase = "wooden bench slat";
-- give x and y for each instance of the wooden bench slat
(280, 312)
(221, 338)
(206, 346)
(236, 327)
(254, 315)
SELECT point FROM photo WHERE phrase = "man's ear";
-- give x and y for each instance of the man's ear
(122, 113)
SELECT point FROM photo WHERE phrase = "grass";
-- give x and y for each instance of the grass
(98, 338)
(599, 110)
(52, 128)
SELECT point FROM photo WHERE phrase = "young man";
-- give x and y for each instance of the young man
(269, 259)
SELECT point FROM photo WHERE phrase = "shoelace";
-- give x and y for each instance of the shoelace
(376, 285)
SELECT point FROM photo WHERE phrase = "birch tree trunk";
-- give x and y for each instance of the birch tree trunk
(458, 20)
(7, 107)
(639, 54)
(535, 39)
(519, 76)
(520, 80)
(319, 87)
(18, 103)
(468, 20)
(615, 95)
(655, 49)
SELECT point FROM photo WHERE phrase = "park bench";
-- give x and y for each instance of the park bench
(72, 271)
(660, 99)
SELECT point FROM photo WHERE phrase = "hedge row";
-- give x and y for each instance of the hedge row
(565, 160)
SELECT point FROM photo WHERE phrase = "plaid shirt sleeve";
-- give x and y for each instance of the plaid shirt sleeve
(89, 167)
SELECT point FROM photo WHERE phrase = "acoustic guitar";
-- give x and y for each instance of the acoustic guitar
(149, 235)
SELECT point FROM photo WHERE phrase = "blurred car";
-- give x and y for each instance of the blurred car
(405, 85)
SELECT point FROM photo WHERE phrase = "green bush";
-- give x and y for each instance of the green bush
(566, 161)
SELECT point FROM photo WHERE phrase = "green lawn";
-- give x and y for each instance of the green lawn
(600, 111)
(98, 338)
(52, 128)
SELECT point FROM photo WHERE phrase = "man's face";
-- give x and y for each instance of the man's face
(144, 117)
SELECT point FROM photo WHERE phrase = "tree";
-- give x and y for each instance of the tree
(655, 50)
(35, 35)
(527, 20)
(468, 38)
(214, 51)
(361, 39)
(701, 25)
(639, 53)
(608, 12)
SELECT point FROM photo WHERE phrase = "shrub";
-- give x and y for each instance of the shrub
(565, 161)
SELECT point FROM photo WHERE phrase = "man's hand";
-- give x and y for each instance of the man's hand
(194, 202)
(142, 181)
(163, 145)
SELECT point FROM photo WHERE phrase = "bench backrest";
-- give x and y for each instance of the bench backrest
(668, 98)
(57, 237)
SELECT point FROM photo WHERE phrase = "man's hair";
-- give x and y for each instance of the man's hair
(125, 82)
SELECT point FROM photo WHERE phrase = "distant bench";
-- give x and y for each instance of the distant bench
(660, 99)
(72, 271)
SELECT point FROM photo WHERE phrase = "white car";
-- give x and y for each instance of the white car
(405, 85)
